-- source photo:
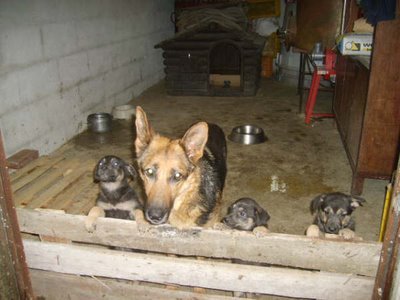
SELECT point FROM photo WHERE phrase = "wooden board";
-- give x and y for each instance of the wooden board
(52, 285)
(277, 249)
(62, 181)
(22, 158)
(83, 260)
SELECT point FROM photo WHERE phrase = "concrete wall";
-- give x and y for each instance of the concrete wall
(62, 60)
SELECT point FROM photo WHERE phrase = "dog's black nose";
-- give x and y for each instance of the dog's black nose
(156, 215)
(333, 229)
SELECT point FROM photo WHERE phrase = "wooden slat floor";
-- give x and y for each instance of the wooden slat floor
(62, 180)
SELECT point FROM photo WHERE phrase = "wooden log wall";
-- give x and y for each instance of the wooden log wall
(187, 64)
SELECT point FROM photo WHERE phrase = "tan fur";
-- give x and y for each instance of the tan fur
(181, 155)
(91, 220)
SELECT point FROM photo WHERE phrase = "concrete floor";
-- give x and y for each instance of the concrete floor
(297, 163)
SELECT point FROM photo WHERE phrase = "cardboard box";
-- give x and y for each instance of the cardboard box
(223, 80)
(356, 44)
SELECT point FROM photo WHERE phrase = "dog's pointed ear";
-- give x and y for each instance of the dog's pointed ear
(262, 216)
(130, 171)
(144, 131)
(195, 140)
(357, 201)
(96, 176)
(316, 203)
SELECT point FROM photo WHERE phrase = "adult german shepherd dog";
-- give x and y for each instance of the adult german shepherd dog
(183, 178)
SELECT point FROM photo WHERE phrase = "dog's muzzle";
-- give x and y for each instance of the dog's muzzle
(156, 215)
(333, 226)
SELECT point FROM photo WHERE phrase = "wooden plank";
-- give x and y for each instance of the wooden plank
(178, 61)
(180, 53)
(52, 285)
(185, 68)
(385, 285)
(196, 45)
(276, 249)
(83, 260)
(42, 162)
(32, 170)
(186, 76)
(14, 277)
(47, 179)
(22, 158)
(187, 84)
(85, 201)
(72, 193)
(43, 198)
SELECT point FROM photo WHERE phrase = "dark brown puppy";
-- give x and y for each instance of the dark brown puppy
(246, 214)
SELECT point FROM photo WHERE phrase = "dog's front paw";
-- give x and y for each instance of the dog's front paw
(347, 234)
(141, 221)
(314, 232)
(220, 226)
(90, 224)
(260, 231)
(91, 220)
(138, 216)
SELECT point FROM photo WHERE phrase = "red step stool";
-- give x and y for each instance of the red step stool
(326, 71)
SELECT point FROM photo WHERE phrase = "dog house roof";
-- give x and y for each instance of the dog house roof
(215, 23)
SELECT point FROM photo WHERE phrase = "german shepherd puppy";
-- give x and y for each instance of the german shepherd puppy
(246, 214)
(183, 178)
(117, 199)
(332, 213)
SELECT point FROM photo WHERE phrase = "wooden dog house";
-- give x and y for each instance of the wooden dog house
(215, 57)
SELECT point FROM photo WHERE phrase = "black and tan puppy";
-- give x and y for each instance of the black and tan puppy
(246, 214)
(117, 199)
(332, 214)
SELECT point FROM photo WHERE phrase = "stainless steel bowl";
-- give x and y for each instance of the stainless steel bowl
(99, 122)
(247, 135)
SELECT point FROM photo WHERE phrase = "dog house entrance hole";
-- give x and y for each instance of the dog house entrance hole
(225, 66)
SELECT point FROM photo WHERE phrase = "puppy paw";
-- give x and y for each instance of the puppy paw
(314, 232)
(90, 224)
(220, 226)
(347, 234)
(91, 220)
(141, 221)
(138, 216)
(260, 231)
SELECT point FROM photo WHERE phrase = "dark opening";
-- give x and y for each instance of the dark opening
(225, 66)
(225, 59)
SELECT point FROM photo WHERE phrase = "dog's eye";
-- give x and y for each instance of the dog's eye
(177, 176)
(149, 172)
(115, 164)
(242, 213)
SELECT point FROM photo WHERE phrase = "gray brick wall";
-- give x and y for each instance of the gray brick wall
(62, 60)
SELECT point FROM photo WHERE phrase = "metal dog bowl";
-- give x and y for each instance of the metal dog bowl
(247, 134)
(99, 122)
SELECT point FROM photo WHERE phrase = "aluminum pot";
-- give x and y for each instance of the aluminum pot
(99, 122)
